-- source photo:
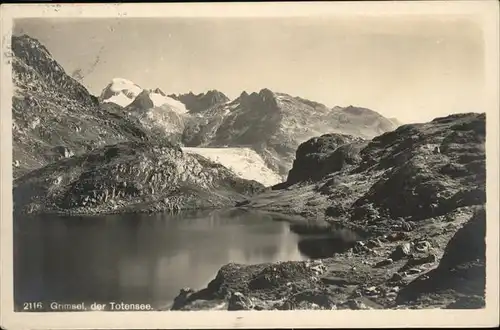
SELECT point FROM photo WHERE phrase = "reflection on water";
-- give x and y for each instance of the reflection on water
(324, 247)
(139, 258)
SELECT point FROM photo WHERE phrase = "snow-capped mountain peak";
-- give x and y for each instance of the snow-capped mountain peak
(124, 92)
(120, 91)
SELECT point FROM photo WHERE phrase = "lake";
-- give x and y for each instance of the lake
(139, 258)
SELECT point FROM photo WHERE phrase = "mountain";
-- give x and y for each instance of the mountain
(401, 221)
(158, 117)
(197, 103)
(274, 124)
(360, 122)
(120, 91)
(157, 113)
(162, 119)
(124, 92)
(54, 116)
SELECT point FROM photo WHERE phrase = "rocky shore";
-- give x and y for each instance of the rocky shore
(412, 201)
(396, 271)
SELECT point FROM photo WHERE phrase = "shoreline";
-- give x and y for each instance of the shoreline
(368, 275)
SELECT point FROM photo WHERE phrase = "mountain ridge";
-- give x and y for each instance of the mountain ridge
(197, 103)
(274, 124)
(271, 123)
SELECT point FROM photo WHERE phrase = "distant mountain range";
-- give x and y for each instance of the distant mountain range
(274, 124)
(271, 123)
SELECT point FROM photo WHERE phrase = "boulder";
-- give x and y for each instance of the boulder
(182, 298)
(356, 304)
(401, 251)
(322, 155)
(238, 301)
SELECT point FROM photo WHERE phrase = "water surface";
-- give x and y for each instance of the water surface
(139, 258)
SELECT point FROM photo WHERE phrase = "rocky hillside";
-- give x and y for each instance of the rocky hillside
(129, 177)
(434, 167)
(198, 103)
(400, 197)
(53, 116)
(274, 124)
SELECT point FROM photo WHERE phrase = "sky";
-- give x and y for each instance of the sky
(410, 68)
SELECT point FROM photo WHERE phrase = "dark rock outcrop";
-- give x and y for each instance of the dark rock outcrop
(182, 299)
(142, 102)
(235, 283)
(323, 155)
